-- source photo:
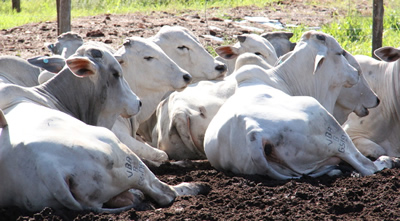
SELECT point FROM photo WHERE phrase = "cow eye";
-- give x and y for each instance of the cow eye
(148, 58)
(183, 47)
(257, 53)
(342, 53)
(116, 74)
(321, 37)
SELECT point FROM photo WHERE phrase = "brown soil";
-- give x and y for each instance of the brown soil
(232, 197)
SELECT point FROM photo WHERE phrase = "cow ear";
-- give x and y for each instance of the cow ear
(388, 54)
(241, 38)
(319, 59)
(227, 52)
(3, 121)
(51, 47)
(53, 64)
(81, 67)
(292, 46)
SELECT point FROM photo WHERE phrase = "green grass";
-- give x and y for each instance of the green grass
(353, 31)
(45, 10)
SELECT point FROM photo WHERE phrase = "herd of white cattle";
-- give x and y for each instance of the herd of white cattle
(79, 129)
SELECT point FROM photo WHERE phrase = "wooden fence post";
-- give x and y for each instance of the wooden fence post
(377, 25)
(16, 4)
(63, 16)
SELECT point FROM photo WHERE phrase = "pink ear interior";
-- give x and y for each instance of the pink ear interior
(81, 67)
(226, 52)
(388, 54)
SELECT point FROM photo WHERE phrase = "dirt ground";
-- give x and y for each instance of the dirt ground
(232, 197)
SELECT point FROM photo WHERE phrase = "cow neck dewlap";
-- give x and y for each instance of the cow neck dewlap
(74, 96)
(149, 105)
(393, 95)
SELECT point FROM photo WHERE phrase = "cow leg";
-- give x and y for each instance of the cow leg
(369, 148)
(139, 176)
(143, 150)
(191, 189)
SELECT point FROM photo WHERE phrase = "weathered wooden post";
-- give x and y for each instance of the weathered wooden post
(16, 4)
(377, 25)
(63, 16)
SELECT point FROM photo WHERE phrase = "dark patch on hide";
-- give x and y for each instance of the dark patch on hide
(95, 195)
(97, 177)
(268, 148)
(110, 164)
(103, 93)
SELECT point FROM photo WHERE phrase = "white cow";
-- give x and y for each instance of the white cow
(358, 98)
(262, 129)
(51, 159)
(181, 126)
(377, 134)
(72, 164)
(150, 74)
(100, 91)
(183, 117)
(16, 70)
(281, 41)
(66, 44)
(251, 43)
(186, 50)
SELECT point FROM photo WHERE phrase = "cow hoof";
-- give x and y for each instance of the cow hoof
(387, 162)
(192, 189)
(395, 162)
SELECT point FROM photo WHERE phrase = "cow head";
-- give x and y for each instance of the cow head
(66, 44)
(185, 49)
(357, 98)
(326, 48)
(250, 43)
(142, 60)
(281, 41)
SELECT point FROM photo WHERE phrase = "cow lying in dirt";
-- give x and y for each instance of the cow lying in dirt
(262, 129)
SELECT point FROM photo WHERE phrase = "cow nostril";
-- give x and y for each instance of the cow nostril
(140, 103)
(220, 67)
(378, 101)
(187, 78)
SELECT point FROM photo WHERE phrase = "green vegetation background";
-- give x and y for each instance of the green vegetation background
(353, 31)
